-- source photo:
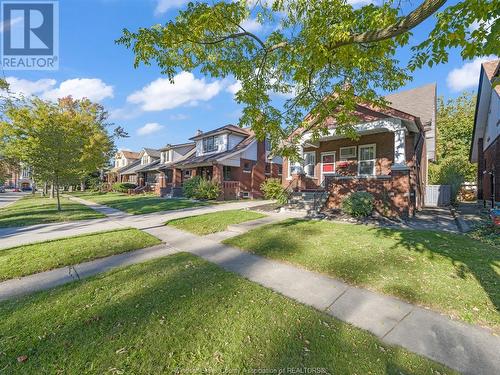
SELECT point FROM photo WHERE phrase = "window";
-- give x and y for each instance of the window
(187, 173)
(366, 165)
(145, 159)
(268, 169)
(226, 172)
(327, 162)
(267, 143)
(347, 152)
(309, 163)
(280, 169)
(247, 167)
(209, 144)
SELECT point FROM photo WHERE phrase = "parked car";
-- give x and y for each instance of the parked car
(2, 189)
(26, 188)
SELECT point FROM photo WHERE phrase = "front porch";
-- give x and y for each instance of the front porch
(382, 161)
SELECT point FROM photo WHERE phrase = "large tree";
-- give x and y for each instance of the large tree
(324, 55)
(61, 142)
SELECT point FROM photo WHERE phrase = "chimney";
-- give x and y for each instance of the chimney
(198, 132)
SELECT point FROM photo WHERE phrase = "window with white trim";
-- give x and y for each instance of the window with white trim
(327, 162)
(309, 163)
(209, 144)
(366, 161)
(347, 152)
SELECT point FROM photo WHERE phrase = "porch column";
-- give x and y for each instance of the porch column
(399, 149)
(176, 177)
(217, 174)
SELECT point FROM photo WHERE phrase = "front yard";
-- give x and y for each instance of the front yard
(29, 259)
(180, 314)
(214, 222)
(447, 272)
(137, 204)
(31, 210)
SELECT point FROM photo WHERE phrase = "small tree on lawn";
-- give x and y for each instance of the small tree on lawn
(61, 141)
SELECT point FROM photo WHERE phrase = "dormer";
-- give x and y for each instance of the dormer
(172, 153)
(124, 158)
(219, 140)
(149, 155)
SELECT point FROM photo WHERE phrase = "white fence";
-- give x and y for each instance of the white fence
(437, 195)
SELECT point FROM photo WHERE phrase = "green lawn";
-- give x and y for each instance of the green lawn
(138, 204)
(31, 210)
(214, 222)
(181, 314)
(447, 272)
(29, 259)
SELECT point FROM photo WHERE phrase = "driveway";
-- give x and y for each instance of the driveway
(9, 197)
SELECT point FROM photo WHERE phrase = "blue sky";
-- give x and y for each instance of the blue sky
(153, 112)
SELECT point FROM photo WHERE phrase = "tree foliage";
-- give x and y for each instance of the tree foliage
(61, 142)
(323, 55)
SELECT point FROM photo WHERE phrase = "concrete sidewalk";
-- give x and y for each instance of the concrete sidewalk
(10, 237)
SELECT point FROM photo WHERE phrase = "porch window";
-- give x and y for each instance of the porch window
(366, 165)
(210, 144)
(268, 169)
(187, 173)
(347, 152)
(309, 163)
(247, 167)
(226, 172)
(280, 169)
(328, 162)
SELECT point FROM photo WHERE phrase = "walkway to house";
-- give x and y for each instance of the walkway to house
(8, 198)
(434, 218)
(468, 349)
(10, 237)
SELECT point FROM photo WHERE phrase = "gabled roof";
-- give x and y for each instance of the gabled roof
(171, 164)
(420, 102)
(227, 128)
(153, 166)
(130, 154)
(152, 152)
(131, 168)
(492, 71)
(214, 158)
(169, 146)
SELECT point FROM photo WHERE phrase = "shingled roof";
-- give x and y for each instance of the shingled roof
(492, 70)
(420, 102)
(130, 154)
(227, 128)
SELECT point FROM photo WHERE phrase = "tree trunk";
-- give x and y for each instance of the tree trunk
(45, 189)
(33, 188)
(57, 194)
(82, 185)
(52, 190)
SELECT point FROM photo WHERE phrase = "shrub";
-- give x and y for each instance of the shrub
(450, 171)
(273, 189)
(207, 189)
(189, 187)
(358, 204)
(123, 187)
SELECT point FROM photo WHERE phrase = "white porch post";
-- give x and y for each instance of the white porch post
(399, 148)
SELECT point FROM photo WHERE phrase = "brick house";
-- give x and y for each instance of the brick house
(232, 157)
(19, 178)
(485, 147)
(123, 159)
(388, 160)
(143, 171)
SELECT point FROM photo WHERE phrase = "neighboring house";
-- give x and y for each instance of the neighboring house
(20, 178)
(388, 160)
(231, 156)
(143, 172)
(485, 147)
(169, 156)
(122, 160)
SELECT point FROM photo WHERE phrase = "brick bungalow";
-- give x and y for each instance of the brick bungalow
(388, 160)
(232, 157)
(485, 147)
(122, 161)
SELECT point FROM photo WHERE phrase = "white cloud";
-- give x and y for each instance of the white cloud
(91, 88)
(164, 5)
(467, 76)
(234, 88)
(251, 25)
(27, 88)
(149, 128)
(186, 90)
